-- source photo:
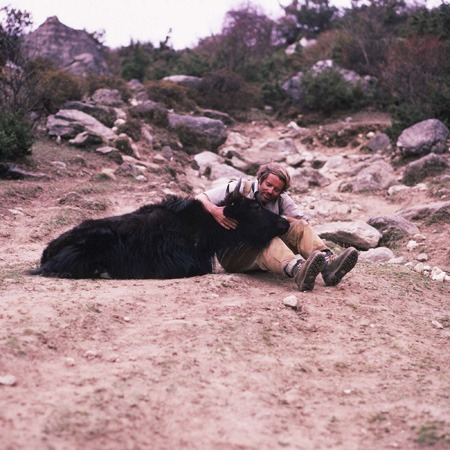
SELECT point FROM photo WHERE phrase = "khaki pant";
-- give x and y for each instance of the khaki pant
(300, 239)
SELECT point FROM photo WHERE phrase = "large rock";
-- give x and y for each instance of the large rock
(198, 133)
(104, 114)
(152, 112)
(185, 80)
(75, 51)
(428, 136)
(358, 234)
(67, 123)
(429, 165)
(393, 228)
(377, 176)
(433, 212)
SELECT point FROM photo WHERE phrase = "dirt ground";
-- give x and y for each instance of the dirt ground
(218, 361)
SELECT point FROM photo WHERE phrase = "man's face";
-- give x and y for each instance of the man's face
(271, 188)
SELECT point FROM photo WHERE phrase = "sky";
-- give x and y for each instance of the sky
(141, 20)
(145, 20)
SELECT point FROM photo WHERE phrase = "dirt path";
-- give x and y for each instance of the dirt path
(212, 362)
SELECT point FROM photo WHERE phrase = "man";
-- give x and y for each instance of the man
(299, 253)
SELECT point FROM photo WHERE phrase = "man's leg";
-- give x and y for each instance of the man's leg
(279, 258)
(302, 239)
(305, 240)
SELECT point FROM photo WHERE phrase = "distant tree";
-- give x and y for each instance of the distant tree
(307, 19)
(245, 42)
(416, 74)
(136, 62)
(15, 99)
(432, 22)
(368, 31)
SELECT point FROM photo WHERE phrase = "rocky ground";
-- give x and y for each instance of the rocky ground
(218, 361)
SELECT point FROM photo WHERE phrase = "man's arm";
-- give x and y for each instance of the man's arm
(217, 212)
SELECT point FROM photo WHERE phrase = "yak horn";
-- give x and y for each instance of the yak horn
(237, 189)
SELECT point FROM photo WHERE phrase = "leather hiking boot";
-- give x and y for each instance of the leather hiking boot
(305, 272)
(336, 267)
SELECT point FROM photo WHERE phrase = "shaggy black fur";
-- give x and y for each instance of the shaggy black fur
(172, 239)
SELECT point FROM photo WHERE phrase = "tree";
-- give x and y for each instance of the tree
(368, 31)
(308, 19)
(245, 42)
(15, 129)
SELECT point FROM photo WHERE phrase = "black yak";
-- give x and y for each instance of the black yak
(172, 239)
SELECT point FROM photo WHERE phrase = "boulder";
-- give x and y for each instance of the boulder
(435, 211)
(108, 97)
(358, 234)
(377, 176)
(185, 80)
(68, 123)
(428, 136)
(379, 143)
(198, 133)
(424, 167)
(151, 112)
(393, 228)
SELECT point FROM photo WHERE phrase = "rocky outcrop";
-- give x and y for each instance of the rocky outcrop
(75, 51)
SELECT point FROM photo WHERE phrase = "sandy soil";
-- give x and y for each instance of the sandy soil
(212, 362)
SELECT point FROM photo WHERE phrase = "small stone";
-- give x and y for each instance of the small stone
(69, 361)
(412, 245)
(437, 325)
(91, 354)
(291, 301)
(422, 257)
(126, 318)
(438, 274)
(8, 380)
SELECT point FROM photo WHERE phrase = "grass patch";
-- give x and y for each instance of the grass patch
(432, 433)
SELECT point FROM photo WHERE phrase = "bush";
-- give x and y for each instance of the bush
(227, 91)
(53, 89)
(15, 136)
(327, 92)
(416, 75)
(131, 128)
(94, 82)
(172, 95)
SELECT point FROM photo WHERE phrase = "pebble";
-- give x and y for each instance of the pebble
(8, 380)
(437, 325)
(292, 302)
(91, 354)
(412, 245)
(422, 257)
(69, 361)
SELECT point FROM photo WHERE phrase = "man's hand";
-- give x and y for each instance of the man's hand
(217, 213)
(222, 219)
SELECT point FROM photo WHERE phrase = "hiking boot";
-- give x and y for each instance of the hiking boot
(336, 267)
(305, 272)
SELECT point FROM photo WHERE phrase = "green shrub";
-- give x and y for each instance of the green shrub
(172, 95)
(327, 92)
(15, 136)
(94, 81)
(48, 87)
(416, 75)
(227, 91)
(132, 128)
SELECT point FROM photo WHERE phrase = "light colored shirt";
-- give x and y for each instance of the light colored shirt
(283, 205)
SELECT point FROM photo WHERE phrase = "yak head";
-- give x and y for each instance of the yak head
(257, 225)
